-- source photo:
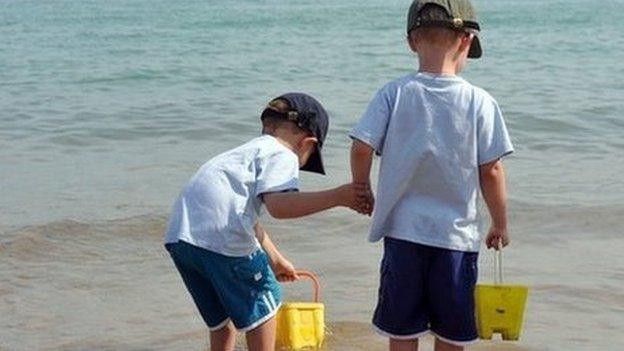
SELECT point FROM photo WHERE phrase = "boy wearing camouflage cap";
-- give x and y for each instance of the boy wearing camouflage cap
(440, 140)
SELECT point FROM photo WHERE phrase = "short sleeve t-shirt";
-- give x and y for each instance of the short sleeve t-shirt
(219, 206)
(432, 133)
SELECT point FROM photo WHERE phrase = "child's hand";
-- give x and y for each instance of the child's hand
(348, 197)
(365, 197)
(497, 238)
(284, 270)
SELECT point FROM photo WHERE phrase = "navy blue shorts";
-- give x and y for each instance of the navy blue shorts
(238, 289)
(426, 289)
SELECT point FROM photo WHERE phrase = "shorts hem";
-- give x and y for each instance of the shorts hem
(414, 336)
(220, 325)
(455, 342)
(260, 321)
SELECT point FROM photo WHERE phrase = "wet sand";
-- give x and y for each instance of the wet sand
(110, 285)
(341, 336)
(349, 336)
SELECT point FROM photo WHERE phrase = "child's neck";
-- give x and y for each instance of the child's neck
(284, 139)
(438, 64)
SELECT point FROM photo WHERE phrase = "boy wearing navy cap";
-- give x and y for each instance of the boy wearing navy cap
(440, 140)
(226, 259)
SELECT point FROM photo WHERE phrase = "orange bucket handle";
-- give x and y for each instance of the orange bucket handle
(315, 283)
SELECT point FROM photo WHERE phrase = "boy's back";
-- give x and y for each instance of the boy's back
(433, 132)
(440, 141)
(218, 207)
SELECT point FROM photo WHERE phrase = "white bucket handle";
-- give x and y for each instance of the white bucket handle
(498, 267)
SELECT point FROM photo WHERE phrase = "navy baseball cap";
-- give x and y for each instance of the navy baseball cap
(308, 114)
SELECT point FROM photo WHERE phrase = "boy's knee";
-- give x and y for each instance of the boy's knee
(403, 345)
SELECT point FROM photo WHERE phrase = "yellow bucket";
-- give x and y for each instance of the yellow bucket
(301, 325)
(499, 308)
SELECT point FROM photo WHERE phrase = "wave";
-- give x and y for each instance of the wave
(53, 239)
(533, 220)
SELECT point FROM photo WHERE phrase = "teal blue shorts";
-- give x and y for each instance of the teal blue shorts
(238, 289)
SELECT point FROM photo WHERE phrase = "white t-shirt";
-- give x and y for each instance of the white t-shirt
(219, 206)
(432, 133)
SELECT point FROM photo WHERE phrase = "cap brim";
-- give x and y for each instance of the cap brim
(315, 163)
(475, 48)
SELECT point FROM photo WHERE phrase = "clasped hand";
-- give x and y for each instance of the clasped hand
(359, 197)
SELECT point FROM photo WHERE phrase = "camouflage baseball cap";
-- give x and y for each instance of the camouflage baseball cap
(461, 16)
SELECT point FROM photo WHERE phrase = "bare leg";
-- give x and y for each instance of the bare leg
(403, 345)
(223, 339)
(262, 338)
(444, 346)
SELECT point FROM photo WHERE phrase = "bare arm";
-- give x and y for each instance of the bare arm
(361, 163)
(282, 268)
(266, 243)
(493, 188)
(296, 204)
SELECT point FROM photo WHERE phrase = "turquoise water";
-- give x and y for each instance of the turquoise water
(107, 107)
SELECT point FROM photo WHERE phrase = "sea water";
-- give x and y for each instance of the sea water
(107, 107)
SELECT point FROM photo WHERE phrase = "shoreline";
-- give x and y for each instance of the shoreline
(109, 284)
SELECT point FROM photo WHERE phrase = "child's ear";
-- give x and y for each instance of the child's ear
(307, 144)
(411, 41)
(466, 41)
(310, 140)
